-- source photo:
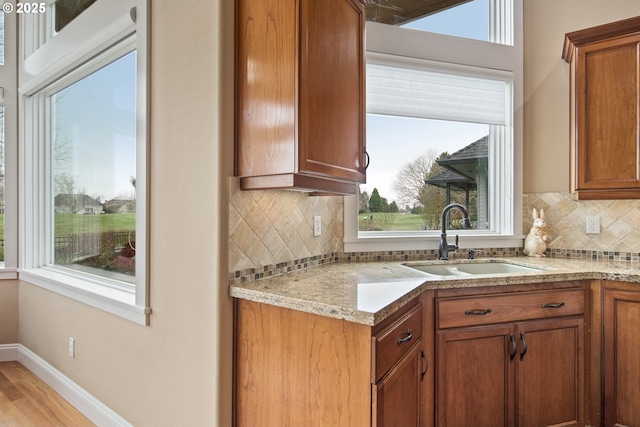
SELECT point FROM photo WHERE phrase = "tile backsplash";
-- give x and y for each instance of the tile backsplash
(272, 227)
(566, 222)
(272, 231)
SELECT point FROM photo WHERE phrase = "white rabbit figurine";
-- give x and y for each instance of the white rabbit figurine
(536, 241)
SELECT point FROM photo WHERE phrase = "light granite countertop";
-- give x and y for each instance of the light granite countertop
(368, 292)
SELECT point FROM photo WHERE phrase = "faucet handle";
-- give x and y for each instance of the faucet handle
(456, 245)
(472, 252)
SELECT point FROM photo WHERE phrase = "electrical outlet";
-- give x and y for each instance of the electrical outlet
(593, 225)
(72, 347)
(317, 225)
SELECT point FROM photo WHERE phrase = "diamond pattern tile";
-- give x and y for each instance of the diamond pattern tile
(270, 227)
(619, 222)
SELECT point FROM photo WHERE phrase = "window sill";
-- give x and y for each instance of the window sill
(110, 297)
(416, 241)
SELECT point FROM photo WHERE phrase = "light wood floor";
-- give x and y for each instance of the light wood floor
(26, 401)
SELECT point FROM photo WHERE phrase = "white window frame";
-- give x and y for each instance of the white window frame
(448, 52)
(100, 35)
(9, 83)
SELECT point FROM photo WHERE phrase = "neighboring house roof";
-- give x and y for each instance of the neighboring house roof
(78, 199)
(461, 166)
(120, 205)
(451, 178)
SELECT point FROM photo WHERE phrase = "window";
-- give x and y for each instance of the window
(93, 138)
(84, 157)
(2, 38)
(485, 20)
(8, 148)
(65, 11)
(442, 127)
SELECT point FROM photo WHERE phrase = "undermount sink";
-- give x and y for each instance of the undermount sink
(472, 269)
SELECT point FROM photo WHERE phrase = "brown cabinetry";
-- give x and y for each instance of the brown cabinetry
(621, 361)
(296, 368)
(605, 110)
(398, 371)
(499, 367)
(300, 91)
(396, 398)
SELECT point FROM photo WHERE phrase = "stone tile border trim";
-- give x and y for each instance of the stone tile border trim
(257, 273)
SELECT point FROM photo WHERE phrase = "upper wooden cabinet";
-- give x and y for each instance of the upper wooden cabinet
(605, 110)
(300, 108)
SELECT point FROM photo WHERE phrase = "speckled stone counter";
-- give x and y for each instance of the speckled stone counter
(369, 292)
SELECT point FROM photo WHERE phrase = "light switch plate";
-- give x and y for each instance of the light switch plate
(317, 225)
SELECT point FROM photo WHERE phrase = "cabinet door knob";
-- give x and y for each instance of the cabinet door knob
(407, 338)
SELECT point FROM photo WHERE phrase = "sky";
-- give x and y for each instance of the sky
(95, 121)
(394, 141)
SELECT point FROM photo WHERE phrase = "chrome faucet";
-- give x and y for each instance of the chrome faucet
(445, 248)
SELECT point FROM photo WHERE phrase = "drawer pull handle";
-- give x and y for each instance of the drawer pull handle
(515, 347)
(524, 346)
(426, 365)
(407, 338)
(553, 305)
(478, 312)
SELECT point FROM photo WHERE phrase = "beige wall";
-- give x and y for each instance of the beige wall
(546, 83)
(177, 371)
(9, 312)
(546, 129)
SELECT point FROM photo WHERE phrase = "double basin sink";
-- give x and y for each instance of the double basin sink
(489, 267)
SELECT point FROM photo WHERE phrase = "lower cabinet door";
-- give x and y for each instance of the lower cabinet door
(475, 376)
(621, 318)
(549, 373)
(396, 397)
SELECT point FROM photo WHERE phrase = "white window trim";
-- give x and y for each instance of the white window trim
(9, 83)
(452, 52)
(40, 71)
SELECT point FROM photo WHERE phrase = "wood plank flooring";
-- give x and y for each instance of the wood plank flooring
(27, 401)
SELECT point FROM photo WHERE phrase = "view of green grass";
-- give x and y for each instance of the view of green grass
(67, 224)
(401, 221)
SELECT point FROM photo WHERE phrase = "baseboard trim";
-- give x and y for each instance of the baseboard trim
(84, 402)
(8, 352)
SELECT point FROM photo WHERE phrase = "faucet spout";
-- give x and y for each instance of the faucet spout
(445, 248)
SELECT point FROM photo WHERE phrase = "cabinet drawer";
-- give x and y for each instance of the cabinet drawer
(390, 344)
(486, 309)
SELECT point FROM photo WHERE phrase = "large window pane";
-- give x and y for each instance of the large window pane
(417, 167)
(2, 183)
(94, 172)
(66, 11)
(485, 20)
(1, 36)
(469, 20)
